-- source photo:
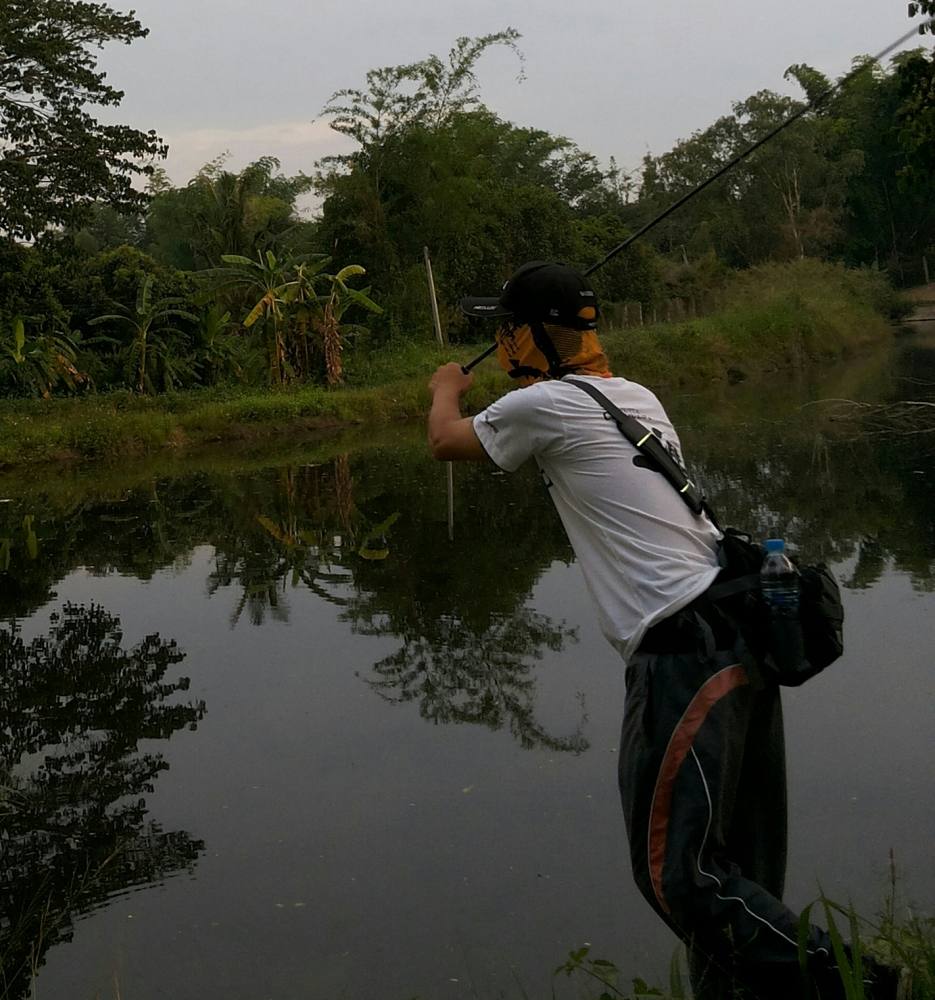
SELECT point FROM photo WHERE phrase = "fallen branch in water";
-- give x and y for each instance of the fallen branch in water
(904, 418)
(915, 381)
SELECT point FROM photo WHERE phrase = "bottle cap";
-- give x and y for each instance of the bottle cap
(775, 545)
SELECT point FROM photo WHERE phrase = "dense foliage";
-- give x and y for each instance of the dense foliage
(218, 213)
(437, 169)
(850, 181)
(223, 279)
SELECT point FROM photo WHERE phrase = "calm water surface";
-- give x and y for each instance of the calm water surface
(270, 732)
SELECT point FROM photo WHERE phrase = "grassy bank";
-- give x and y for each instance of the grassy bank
(779, 316)
(900, 939)
(774, 317)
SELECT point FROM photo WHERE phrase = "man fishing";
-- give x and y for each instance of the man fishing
(702, 764)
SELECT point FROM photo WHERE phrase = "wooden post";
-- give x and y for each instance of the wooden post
(925, 268)
(436, 319)
(442, 342)
(451, 501)
(639, 306)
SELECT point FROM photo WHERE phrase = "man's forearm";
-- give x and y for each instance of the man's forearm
(451, 436)
(445, 412)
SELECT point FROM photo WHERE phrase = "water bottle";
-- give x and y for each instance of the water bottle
(779, 581)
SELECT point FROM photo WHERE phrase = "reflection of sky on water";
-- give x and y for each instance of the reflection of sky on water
(357, 846)
(354, 846)
(862, 743)
(417, 850)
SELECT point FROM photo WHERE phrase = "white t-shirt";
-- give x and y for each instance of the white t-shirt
(643, 553)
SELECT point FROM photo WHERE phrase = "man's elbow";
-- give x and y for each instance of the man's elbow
(455, 442)
(442, 447)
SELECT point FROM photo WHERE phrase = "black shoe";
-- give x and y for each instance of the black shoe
(882, 982)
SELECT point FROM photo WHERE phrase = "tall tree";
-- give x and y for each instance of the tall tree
(786, 200)
(426, 93)
(56, 158)
(436, 168)
(404, 121)
(915, 81)
(220, 212)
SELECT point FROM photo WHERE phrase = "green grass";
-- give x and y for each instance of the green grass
(900, 938)
(774, 317)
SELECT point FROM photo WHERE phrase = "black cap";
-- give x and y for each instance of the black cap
(539, 290)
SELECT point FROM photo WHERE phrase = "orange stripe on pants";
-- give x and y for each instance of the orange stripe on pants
(707, 696)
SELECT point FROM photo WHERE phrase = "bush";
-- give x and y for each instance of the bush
(775, 316)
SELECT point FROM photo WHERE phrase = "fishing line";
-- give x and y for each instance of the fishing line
(794, 117)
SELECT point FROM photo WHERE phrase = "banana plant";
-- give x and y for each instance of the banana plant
(339, 298)
(38, 364)
(268, 277)
(217, 349)
(296, 296)
(304, 304)
(149, 357)
(320, 299)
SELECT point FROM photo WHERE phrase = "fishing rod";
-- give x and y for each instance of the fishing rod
(794, 117)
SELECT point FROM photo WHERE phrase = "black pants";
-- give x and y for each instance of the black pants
(702, 779)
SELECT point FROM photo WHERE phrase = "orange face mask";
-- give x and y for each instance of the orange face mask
(529, 355)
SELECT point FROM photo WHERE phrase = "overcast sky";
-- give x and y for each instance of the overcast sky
(618, 77)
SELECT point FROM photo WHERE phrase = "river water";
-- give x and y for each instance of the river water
(275, 727)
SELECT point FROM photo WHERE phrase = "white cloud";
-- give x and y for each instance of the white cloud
(296, 144)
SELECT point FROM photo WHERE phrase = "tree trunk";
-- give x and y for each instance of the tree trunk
(141, 379)
(331, 343)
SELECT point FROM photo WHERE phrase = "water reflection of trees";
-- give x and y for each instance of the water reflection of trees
(74, 831)
(372, 545)
(368, 535)
(485, 678)
(134, 532)
(837, 500)
(772, 464)
(291, 528)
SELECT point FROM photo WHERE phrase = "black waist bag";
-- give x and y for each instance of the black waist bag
(791, 649)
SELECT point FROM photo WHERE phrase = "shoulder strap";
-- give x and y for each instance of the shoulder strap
(649, 444)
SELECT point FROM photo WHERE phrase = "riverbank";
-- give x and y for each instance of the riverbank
(922, 300)
(774, 317)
